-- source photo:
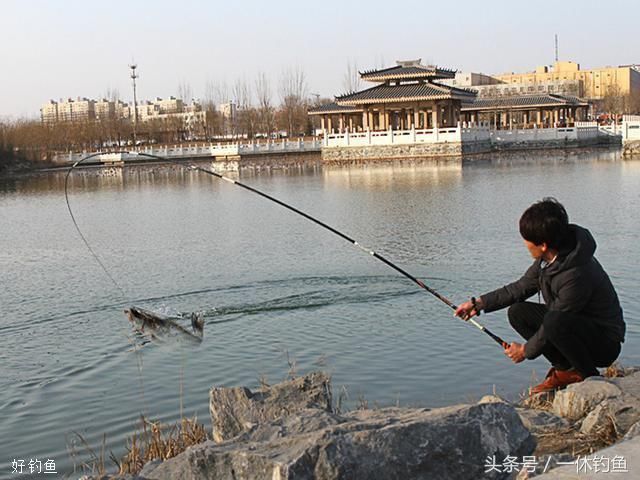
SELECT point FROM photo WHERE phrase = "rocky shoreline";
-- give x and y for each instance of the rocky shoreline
(292, 431)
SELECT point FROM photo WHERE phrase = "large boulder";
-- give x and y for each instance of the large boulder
(541, 421)
(394, 443)
(619, 413)
(236, 410)
(535, 420)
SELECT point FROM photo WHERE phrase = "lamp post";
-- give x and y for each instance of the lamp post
(135, 102)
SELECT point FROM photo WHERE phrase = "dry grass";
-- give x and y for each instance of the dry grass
(571, 440)
(341, 401)
(84, 457)
(615, 370)
(155, 441)
(541, 401)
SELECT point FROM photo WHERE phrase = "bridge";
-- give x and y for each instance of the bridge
(219, 151)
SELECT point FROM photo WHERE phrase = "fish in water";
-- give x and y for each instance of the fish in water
(157, 326)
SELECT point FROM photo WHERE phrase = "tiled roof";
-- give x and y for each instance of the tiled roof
(333, 108)
(402, 72)
(404, 93)
(522, 101)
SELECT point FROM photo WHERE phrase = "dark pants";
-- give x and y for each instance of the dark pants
(572, 341)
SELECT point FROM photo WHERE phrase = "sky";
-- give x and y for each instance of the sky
(67, 48)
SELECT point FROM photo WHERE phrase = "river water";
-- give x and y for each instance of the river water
(278, 293)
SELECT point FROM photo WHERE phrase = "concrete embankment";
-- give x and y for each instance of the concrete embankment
(454, 151)
(373, 153)
(293, 431)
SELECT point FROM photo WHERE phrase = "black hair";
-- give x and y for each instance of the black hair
(547, 222)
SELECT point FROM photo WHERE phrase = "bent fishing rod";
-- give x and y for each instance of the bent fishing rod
(379, 257)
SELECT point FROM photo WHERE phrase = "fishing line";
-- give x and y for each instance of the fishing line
(136, 347)
(379, 257)
(75, 223)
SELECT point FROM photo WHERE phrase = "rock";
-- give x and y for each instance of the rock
(492, 399)
(394, 443)
(620, 461)
(629, 384)
(634, 431)
(621, 412)
(541, 421)
(238, 409)
(149, 467)
(578, 399)
(308, 420)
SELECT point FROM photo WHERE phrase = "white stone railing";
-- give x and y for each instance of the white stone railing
(393, 137)
(533, 135)
(580, 131)
(177, 152)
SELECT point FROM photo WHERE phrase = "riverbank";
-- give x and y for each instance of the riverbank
(295, 430)
(16, 167)
(313, 161)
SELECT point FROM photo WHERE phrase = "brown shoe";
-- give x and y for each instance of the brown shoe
(557, 379)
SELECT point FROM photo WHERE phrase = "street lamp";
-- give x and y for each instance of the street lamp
(135, 102)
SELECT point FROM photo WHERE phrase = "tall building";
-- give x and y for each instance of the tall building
(594, 83)
(228, 110)
(105, 109)
(168, 105)
(171, 111)
(469, 79)
(75, 110)
(49, 112)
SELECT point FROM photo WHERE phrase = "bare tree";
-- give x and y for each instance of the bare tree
(112, 94)
(217, 94)
(184, 92)
(241, 93)
(265, 106)
(293, 96)
(351, 81)
(244, 122)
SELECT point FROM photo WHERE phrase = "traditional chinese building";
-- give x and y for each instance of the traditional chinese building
(525, 111)
(407, 96)
(412, 113)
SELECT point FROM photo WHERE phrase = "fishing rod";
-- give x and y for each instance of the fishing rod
(417, 281)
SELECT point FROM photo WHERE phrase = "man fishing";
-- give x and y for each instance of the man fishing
(580, 326)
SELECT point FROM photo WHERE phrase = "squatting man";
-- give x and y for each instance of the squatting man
(580, 326)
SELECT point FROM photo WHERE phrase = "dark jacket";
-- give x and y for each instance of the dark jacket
(575, 282)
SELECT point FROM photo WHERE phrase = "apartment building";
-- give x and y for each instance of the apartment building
(594, 83)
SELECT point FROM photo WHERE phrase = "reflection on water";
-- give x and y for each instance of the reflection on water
(395, 175)
(270, 282)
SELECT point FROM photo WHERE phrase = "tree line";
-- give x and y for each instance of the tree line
(255, 115)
